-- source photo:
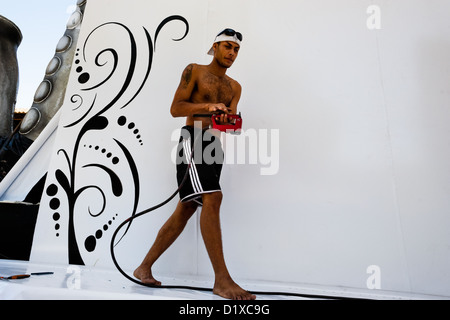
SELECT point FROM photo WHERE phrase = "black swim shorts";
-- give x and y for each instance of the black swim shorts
(205, 152)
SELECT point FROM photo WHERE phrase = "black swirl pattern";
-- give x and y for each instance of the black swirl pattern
(92, 116)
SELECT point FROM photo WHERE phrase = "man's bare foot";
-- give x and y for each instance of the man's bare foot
(230, 290)
(145, 275)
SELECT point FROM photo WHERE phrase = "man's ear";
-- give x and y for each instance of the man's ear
(216, 46)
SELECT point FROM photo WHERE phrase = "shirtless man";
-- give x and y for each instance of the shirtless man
(203, 89)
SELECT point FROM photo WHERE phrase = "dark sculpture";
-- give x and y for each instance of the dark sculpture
(49, 96)
(10, 39)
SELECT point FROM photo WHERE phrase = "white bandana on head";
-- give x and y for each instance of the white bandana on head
(224, 37)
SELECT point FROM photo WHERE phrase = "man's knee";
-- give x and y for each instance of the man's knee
(212, 199)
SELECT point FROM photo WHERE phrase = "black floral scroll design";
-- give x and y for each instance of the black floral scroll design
(93, 117)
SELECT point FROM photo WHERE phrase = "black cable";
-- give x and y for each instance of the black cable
(292, 294)
(130, 219)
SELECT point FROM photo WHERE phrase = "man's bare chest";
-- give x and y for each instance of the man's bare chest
(213, 89)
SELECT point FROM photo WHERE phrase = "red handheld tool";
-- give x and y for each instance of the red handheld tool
(233, 127)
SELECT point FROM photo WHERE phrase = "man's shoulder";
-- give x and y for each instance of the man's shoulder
(195, 68)
(234, 83)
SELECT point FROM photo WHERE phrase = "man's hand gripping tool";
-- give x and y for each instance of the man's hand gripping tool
(234, 127)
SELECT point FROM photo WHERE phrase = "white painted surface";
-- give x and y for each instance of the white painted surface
(68, 282)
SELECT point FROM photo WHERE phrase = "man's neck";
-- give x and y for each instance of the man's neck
(216, 69)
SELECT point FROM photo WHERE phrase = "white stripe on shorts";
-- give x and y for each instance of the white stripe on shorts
(195, 180)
